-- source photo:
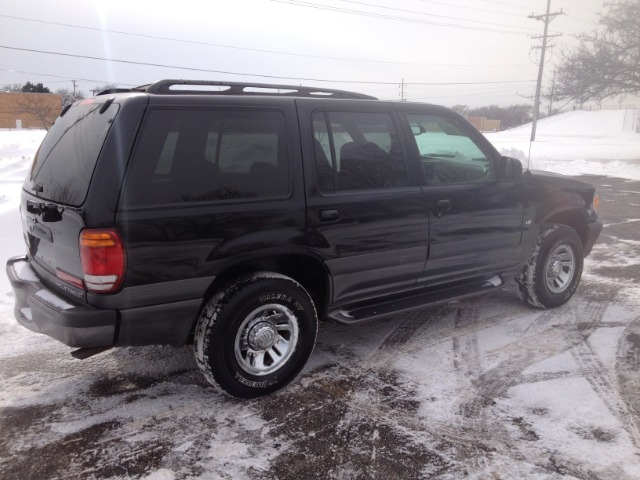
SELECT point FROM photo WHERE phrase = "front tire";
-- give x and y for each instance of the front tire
(254, 337)
(553, 271)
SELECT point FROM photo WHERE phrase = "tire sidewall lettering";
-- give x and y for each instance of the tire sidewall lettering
(253, 384)
(281, 297)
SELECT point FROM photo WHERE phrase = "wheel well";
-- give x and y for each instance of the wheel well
(309, 272)
(573, 219)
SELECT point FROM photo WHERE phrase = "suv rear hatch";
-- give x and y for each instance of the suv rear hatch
(55, 189)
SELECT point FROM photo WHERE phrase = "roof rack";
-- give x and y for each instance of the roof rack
(166, 87)
(113, 90)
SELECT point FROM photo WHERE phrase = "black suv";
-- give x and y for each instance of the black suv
(233, 216)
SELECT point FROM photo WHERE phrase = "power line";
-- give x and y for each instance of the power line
(448, 4)
(194, 69)
(461, 96)
(234, 47)
(581, 7)
(11, 70)
(423, 13)
(361, 13)
(505, 4)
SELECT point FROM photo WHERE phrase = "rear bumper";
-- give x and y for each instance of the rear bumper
(78, 325)
(592, 235)
(42, 311)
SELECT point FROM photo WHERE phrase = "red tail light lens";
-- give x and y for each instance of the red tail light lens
(103, 260)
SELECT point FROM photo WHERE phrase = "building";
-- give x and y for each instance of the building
(29, 110)
(485, 124)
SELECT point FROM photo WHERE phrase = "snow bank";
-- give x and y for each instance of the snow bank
(578, 143)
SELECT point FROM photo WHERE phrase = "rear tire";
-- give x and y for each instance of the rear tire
(553, 271)
(256, 336)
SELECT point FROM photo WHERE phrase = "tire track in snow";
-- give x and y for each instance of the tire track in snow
(600, 377)
(477, 428)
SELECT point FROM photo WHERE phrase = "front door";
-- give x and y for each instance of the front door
(476, 218)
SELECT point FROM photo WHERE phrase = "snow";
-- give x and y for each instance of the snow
(577, 143)
(53, 300)
(484, 388)
(24, 272)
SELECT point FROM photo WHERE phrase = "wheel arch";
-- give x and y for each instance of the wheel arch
(573, 218)
(308, 270)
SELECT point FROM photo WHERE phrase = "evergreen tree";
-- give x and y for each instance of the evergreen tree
(31, 88)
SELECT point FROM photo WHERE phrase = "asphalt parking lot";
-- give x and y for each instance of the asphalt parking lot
(483, 388)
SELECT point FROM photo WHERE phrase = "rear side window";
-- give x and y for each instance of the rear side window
(63, 166)
(208, 155)
(357, 151)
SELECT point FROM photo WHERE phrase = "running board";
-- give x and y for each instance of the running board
(358, 314)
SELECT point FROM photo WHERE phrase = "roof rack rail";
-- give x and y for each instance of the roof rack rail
(166, 87)
(113, 90)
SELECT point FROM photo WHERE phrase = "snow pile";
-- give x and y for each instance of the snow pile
(599, 123)
(17, 148)
(578, 143)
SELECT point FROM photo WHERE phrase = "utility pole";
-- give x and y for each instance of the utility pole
(74, 88)
(546, 18)
(553, 86)
(402, 91)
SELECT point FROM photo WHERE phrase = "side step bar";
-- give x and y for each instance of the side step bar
(358, 314)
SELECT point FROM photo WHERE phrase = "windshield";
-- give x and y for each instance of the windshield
(63, 166)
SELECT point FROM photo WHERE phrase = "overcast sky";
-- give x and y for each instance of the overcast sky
(472, 52)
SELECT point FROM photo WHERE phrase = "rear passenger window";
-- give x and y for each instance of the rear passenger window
(357, 151)
(203, 156)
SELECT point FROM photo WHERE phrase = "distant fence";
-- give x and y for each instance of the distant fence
(604, 106)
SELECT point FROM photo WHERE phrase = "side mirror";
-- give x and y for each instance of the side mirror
(417, 129)
(509, 168)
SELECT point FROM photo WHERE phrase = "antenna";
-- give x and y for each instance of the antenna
(546, 18)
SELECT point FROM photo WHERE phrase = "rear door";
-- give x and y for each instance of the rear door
(214, 180)
(476, 218)
(366, 217)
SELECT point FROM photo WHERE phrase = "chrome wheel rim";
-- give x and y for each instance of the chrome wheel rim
(266, 339)
(560, 268)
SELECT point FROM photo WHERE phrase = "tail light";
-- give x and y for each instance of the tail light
(103, 260)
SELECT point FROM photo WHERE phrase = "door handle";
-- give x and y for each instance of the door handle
(442, 206)
(329, 215)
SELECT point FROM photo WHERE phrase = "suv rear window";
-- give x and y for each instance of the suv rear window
(63, 166)
(208, 155)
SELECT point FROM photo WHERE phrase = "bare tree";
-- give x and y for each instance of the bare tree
(69, 97)
(606, 63)
(39, 106)
(509, 117)
(14, 87)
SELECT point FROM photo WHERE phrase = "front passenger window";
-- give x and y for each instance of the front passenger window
(447, 153)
